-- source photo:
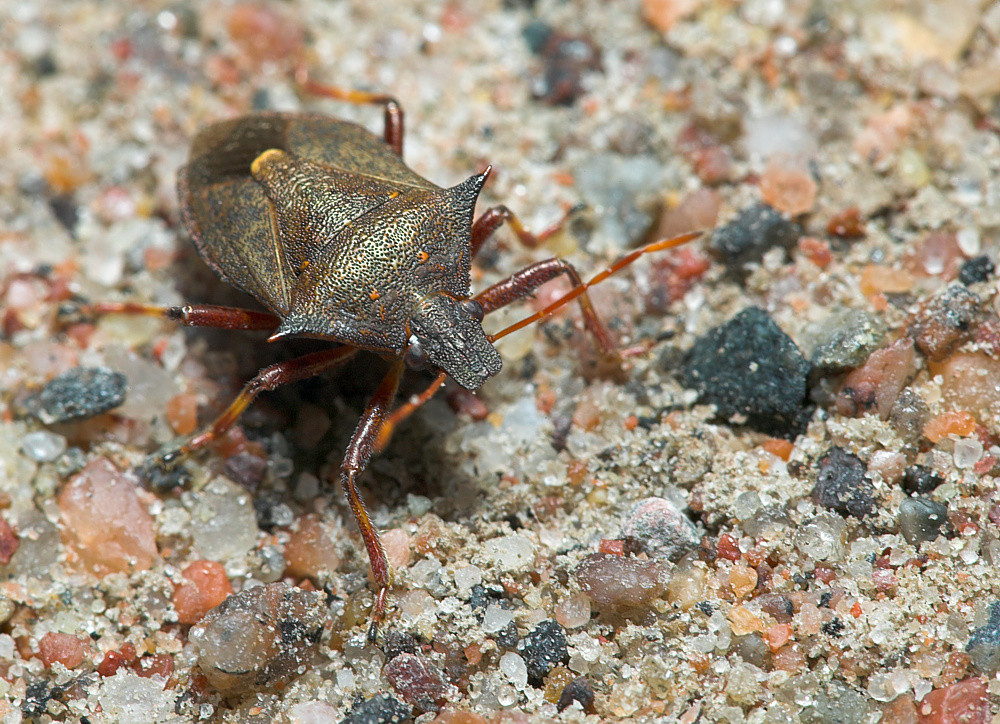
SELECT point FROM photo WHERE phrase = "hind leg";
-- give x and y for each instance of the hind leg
(393, 133)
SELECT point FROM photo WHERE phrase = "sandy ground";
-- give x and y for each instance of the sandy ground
(872, 125)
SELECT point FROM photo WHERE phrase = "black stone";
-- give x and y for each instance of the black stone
(536, 34)
(36, 699)
(746, 238)
(843, 485)
(834, 627)
(506, 638)
(920, 479)
(65, 210)
(272, 511)
(480, 596)
(705, 607)
(542, 649)
(977, 269)
(78, 394)
(380, 709)
(577, 690)
(398, 642)
(155, 476)
(750, 368)
(45, 65)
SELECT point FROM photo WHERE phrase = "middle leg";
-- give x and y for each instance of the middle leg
(193, 315)
(267, 379)
(521, 283)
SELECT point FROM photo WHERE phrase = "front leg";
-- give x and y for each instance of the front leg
(524, 283)
(359, 452)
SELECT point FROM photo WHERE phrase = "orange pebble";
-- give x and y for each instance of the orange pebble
(959, 423)
(816, 250)
(61, 648)
(877, 279)
(778, 448)
(311, 550)
(613, 547)
(777, 636)
(787, 187)
(204, 587)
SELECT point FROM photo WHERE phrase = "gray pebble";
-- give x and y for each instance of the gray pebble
(43, 446)
(921, 519)
(845, 340)
(659, 529)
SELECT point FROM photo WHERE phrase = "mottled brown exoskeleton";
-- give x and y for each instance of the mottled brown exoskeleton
(339, 240)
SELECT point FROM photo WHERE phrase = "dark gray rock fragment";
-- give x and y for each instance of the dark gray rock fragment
(984, 643)
(843, 485)
(846, 339)
(78, 394)
(543, 649)
(746, 238)
(380, 709)
(749, 368)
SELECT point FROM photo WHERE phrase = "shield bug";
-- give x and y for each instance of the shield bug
(339, 240)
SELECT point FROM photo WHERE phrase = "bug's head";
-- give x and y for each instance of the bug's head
(447, 333)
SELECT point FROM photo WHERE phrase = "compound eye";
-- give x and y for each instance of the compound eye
(474, 309)
(415, 355)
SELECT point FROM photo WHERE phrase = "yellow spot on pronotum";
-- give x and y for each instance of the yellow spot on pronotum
(374, 295)
(256, 168)
(424, 256)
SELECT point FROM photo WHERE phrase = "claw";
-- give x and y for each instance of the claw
(169, 459)
(378, 613)
(162, 471)
(73, 312)
(372, 635)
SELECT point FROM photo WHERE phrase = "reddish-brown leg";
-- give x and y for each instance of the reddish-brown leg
(522, 283)
(579, 291)
(493, 217)
(393, 133)
(359, 452)
(405, 410)
(269, 378)
(194, 315)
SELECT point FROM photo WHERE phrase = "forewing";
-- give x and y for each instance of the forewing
(227, 213)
